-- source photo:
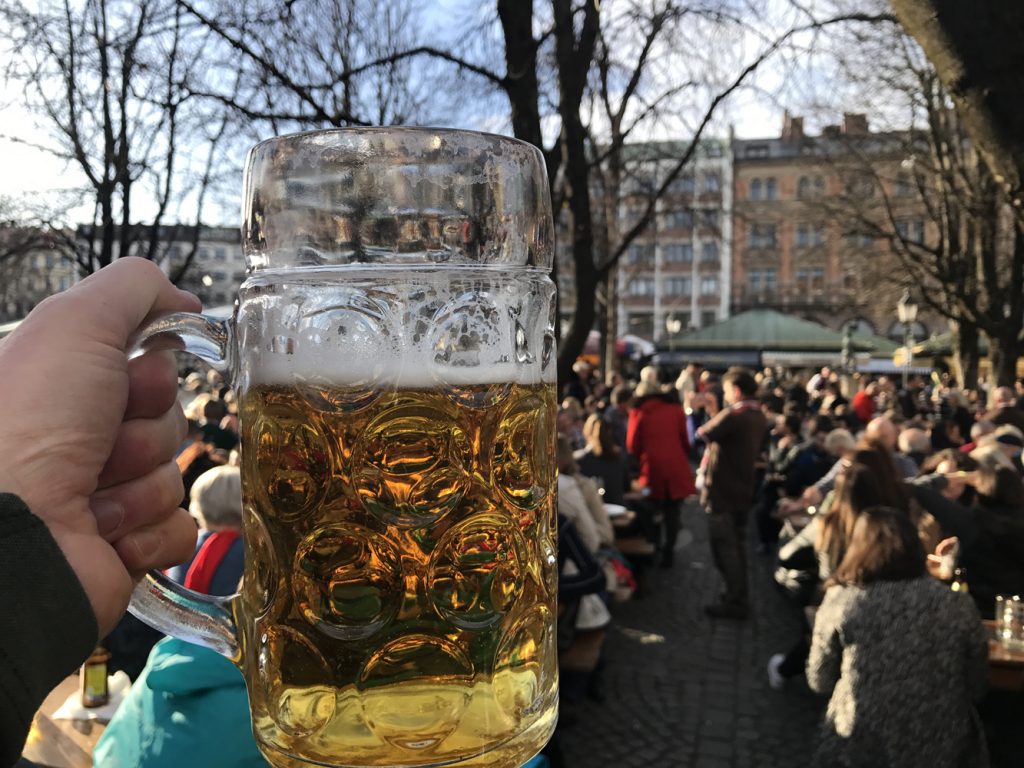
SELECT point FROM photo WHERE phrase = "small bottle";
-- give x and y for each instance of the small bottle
(960, 581)
(95, 692)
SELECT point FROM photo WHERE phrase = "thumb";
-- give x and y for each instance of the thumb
(112, 303)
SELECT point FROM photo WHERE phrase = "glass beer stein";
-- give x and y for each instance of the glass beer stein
(392, 350)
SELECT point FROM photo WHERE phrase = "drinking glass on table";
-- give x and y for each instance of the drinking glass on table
(393, 353)
(1009, 617)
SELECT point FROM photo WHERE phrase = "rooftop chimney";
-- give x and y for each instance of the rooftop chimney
(792, 128)
(855, 124)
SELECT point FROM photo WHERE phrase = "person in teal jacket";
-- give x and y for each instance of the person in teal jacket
(188, 707)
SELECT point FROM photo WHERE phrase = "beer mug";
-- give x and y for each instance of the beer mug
(392, 350)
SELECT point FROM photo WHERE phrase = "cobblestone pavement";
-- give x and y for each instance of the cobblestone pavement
(685, 690)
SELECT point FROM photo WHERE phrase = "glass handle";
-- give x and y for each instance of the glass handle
(163, 604)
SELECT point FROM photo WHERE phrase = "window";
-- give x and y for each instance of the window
(678, 219)
(861, 186)
(808, 235)
(712, 182)
(204, 254)
(641, 253)
(761, 236)
(761, 280)
(709, 285)
(709, 252)
(756, 150)
(632, 215)
(917, 231)
(678, 286)
(903, 229)
(641, 286)
(685, 185)
(708, 318)
(709, 218)
(219, 254)
(678, 253)
(755, 189)
(771, 189)
(810, 279)
(902, 187)
(808, 188)
(50, 260)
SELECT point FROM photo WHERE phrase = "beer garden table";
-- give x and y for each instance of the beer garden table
(1005, 666)
(62, 743)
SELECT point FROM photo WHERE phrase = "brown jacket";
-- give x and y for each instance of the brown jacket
(734, 437)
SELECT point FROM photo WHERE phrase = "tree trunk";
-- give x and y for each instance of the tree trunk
(611, 330)
(1003, 352)
(975, 48)
(966, 354)
(574, 56)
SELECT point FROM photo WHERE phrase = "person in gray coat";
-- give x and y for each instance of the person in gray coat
(903, 656)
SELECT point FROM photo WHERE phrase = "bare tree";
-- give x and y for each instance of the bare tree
(975, 49)
(299, 73)
(107, 83)
(963, 258)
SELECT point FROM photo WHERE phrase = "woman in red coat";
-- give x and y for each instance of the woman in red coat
(657, 438)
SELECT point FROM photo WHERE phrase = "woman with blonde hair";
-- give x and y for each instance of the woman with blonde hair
(217, 564)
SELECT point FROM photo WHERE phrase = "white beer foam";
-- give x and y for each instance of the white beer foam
(419, 331)
(407, 371)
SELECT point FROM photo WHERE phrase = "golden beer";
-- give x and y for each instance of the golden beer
(400, 597)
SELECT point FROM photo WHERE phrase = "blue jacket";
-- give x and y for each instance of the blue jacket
(187, 708)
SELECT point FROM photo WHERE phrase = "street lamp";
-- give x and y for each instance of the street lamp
(673, 325)
(906, 310)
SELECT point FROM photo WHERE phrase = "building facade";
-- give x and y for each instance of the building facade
(804, 241)
(215, 272)
(34, 263)
(677, 273)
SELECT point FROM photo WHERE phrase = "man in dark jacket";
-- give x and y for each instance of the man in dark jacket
(734, 438)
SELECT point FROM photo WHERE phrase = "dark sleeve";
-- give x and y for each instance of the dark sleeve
(719, 427)
(571, 547)
(48, 626)
(954, 518)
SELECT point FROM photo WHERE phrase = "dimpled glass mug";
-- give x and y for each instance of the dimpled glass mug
(392, 350)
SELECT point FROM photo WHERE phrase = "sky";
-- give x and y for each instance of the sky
(27, 170)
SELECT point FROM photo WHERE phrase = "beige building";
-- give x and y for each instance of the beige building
(800, 242)
(677, 273)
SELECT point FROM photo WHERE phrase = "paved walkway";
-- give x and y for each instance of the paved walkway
(683, 690)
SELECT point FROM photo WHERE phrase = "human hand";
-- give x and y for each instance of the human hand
(87, 438)
(789, 507)
(942, 563)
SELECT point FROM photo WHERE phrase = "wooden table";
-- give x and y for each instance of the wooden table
(62, 743)
(1006, 667)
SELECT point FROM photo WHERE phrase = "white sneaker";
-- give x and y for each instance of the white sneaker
(775, 679)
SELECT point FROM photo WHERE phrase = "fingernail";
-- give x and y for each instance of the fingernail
(109, 515)
(146, 543)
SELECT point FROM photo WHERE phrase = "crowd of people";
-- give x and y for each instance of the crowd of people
(895, 514)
